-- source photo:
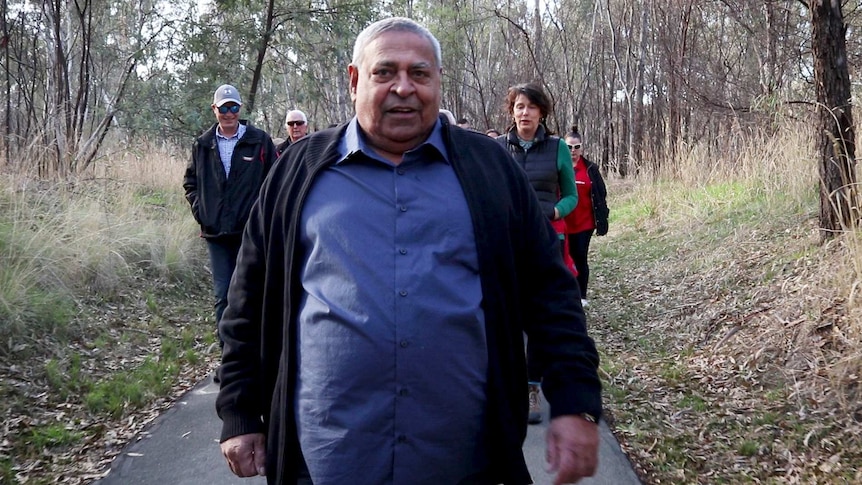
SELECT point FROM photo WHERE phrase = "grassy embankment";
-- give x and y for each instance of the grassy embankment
(730, 337)
(104, 312)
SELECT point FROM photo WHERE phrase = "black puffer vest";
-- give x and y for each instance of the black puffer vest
(540, 163)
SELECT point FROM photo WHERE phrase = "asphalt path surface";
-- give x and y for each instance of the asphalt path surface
(181, 448)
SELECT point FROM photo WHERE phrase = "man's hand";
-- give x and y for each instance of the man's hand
(572, 448)
(245, 454)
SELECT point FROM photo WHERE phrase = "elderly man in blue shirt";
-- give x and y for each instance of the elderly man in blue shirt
(374, 332)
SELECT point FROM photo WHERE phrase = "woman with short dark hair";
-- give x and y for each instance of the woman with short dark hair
(548, 164)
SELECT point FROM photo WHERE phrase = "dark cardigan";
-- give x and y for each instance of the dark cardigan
(525, 288)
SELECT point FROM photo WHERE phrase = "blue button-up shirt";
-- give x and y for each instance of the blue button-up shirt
(226, 146)
(392, 351)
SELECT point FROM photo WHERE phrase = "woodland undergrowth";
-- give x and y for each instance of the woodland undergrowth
(730, 336)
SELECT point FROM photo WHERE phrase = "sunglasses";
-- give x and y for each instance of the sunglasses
(233, 109)
(295, 123)
(574, 147)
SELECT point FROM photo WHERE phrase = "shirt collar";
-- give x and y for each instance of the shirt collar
(354, 141)
(240, 130)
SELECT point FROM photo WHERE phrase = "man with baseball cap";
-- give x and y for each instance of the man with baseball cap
(228, 165)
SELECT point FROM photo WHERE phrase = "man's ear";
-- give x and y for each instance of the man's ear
(353, 76)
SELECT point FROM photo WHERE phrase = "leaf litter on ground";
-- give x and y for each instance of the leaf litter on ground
(730, 358)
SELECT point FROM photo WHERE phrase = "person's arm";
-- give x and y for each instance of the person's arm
(557, 337)
(566, 176)
(190, 181)
(556, 323)
(246, 454)
(244, 395)
(252, 327)
(572, 448)
(239, 400)
(599, 196)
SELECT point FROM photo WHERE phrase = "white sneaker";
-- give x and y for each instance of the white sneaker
(584, 302)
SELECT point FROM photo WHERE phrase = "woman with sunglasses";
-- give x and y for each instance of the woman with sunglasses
(591, 213)
(547, 162)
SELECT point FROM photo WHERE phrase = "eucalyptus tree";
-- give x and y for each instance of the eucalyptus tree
(310, 57)
(468, 35)
(7, 81)
(836, 136)
(67, 76)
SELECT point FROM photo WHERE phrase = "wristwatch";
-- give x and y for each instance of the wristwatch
(589, 417)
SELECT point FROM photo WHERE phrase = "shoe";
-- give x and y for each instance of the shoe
(535, 416)
(584, 302)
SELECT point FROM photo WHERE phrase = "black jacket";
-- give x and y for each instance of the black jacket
(540, 163)
(525, 287)
(221, 204)
(598, 196)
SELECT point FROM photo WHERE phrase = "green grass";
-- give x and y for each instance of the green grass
(31, 301)
(7, 474)
(52, 435)
(749, 448)
(693, 402)
(65, 378)
(150, 196)
(127, 391)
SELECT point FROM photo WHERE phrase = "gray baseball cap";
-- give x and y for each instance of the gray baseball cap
(226, 94)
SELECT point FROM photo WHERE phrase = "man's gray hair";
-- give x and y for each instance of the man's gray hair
(296, 111)
(393, 24)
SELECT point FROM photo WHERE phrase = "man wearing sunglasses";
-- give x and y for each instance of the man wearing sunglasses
(296, 126)
(228, 165)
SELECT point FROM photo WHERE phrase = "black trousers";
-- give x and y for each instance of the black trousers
(579, 246)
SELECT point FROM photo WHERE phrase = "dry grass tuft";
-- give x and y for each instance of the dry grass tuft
(105, 314)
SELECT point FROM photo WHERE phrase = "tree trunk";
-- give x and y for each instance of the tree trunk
(265, 37)
(7, 86)
(539, 64)
(835, 138)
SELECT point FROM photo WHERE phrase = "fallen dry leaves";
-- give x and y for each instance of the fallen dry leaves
(732, 356)
(109, 336)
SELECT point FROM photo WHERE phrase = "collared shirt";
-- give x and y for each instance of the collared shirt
(226, 146)
(392, 352)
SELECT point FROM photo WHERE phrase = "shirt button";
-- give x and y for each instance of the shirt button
(402, 438)
(403, 392)
(403, 208)
(402, 251)
(403, 292)
(404, 344)
(400, 171)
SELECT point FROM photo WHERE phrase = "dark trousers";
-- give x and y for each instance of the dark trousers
(579, 246)
(223, 253)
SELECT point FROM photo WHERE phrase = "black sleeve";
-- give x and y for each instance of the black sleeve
(190, 181)
(599, 198)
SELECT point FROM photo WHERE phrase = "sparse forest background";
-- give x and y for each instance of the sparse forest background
(644, 81)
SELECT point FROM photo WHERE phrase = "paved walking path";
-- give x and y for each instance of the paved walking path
(181, 448)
